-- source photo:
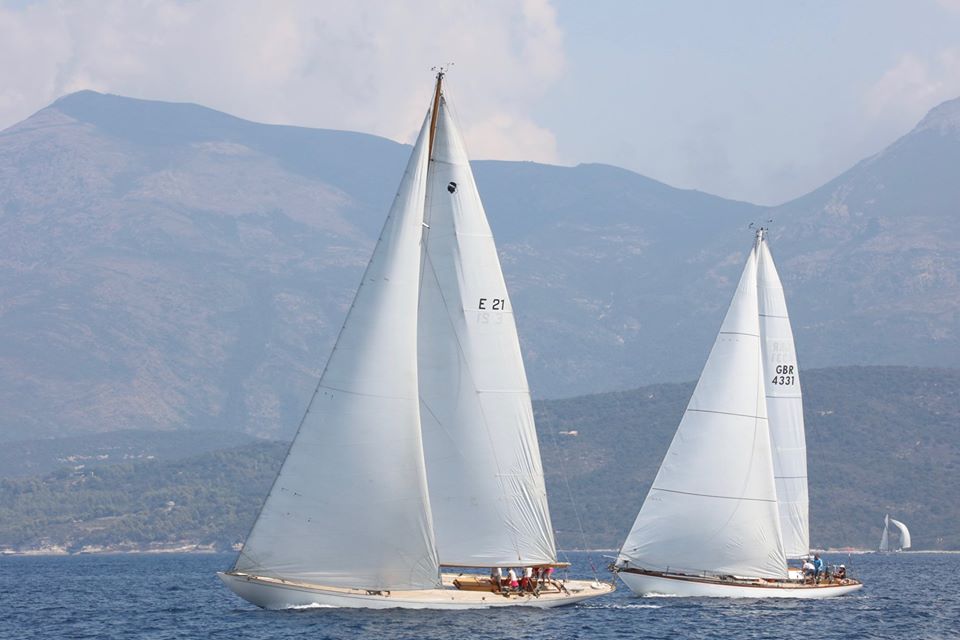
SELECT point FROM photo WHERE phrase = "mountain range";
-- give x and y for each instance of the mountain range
(166, 266)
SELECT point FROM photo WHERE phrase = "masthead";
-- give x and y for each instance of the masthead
(437, 94)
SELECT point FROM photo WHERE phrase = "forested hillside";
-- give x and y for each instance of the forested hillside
(880, 439)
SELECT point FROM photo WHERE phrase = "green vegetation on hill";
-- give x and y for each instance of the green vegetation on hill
(208, 499)
(880, 439)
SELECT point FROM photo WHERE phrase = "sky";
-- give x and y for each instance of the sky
(756, 100)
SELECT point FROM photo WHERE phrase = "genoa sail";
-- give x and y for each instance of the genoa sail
(904, 533)
(713, 504)
(885, 537)
(355, 469)
(487, 492)
(784, 405)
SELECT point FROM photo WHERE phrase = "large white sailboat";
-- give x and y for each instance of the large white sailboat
(885, 538)
(418, 450)
(729, 504)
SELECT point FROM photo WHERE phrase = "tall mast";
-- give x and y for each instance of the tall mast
(436, 111)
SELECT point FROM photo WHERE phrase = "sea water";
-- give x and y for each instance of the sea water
(178, 596)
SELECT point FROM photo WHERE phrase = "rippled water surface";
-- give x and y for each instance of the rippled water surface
(178, 596)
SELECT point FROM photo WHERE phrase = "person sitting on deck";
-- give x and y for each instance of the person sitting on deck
(514, 583)
(841, 573)
(809, 571)
(526, 582)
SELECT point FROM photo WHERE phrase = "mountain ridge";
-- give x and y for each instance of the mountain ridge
(169, 266)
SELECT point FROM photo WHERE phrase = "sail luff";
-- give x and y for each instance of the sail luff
(784, 405)
(713, 505)
(434, 111)
(349, 507)
(487, 491)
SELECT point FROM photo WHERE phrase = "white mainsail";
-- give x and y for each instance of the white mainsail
(487, 491)
(713, 505)
(349, 507)
(784, 405)
(885, 537)
(904, 533)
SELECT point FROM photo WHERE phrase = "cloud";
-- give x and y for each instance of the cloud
(362, 65)
(950, 5)
(913, 86)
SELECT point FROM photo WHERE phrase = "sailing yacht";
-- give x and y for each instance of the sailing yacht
(885, 538)
(418, 451)
(729, 507)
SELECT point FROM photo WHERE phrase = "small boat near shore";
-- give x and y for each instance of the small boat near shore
(905, 542)
(728, 508)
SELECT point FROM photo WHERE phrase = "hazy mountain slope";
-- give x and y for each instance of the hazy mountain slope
(873, 257)
(880, 439)
(168, 266)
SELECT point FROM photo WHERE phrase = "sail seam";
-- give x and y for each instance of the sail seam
(770, 315)
(709, 495)
(366, 395)
(728, 413)
(739, 333)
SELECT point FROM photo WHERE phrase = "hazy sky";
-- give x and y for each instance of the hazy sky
(755, 100)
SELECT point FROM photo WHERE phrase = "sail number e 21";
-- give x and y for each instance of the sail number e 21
(493, 304)
(785, 374)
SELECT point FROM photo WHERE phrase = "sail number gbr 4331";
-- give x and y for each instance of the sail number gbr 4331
(786, 374)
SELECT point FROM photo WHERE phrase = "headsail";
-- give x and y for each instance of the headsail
(349, 507)
(784, 405)
(904, 533)
(487, 490)
(713, 505)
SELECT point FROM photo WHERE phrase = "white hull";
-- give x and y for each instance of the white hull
(276, 594)
(645, 584)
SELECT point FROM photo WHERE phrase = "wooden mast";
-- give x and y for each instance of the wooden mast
(436, 110)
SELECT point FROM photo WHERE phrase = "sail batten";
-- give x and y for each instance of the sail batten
(487, 493)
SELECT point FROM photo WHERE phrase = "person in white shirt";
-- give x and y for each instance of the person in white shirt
(809, 571)
(512, 576)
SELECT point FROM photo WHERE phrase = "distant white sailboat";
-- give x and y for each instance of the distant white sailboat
(729, 504)
(885, 538)
(415, 452)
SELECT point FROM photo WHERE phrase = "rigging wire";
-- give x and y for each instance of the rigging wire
(573, 505)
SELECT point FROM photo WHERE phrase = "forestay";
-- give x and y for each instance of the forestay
(487, 491)
(349, 507)
(713, 506)
(784, 406)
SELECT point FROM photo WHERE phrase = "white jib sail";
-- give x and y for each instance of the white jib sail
(713, 505)
(487, 491)
(350, 507)
(885, 538)
(904, 534)
(784, 407)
